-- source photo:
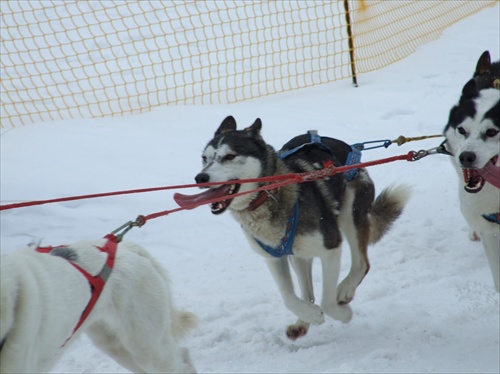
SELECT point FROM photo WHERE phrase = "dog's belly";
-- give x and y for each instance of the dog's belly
(312, 245)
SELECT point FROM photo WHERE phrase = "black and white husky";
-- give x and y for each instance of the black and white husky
(473, 138)
(114, 292)
(307, 220)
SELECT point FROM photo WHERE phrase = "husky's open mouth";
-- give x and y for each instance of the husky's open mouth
(475, 179)
(213, 193)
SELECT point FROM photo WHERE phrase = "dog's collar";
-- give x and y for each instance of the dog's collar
(286, 243)
(493, 217)
(96, 282)
(260, 199)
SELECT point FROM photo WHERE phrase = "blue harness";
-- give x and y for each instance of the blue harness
(286, 243)
(493, 217)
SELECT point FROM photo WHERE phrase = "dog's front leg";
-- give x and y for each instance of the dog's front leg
(303, 269)
(305, 310)
(491, 244)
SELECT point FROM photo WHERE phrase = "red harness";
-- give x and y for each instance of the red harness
(96, 282)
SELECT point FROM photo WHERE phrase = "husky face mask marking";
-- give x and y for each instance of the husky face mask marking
(221, 163)
(473, 134)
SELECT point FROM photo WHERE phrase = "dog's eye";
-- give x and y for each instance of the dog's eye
(228, 157)
(491, 133)
(204, 159)
(462, 131)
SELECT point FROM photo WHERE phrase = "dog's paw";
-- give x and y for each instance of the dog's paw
(297, 330)
(314, 315)
(474, 236)
(342, 313)
(345, 292)
(307, 311)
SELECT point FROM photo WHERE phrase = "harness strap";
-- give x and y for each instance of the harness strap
(493, 217)
(315, 140)
(96, 282)
(354, 157)
(286, 243)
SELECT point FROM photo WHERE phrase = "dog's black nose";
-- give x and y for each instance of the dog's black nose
(202, 178)
(467, 159)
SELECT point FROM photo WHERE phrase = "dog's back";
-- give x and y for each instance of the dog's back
(42, 299)
(134, 320)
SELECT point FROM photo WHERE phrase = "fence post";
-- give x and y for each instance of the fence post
(350, 43)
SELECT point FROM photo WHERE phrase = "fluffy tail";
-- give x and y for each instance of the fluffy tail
(183, 322)
(387, 207)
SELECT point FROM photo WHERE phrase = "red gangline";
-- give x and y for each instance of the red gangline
(284, 178)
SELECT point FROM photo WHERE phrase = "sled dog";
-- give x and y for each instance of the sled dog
(300, 221)
(45, 290)
(473, 139)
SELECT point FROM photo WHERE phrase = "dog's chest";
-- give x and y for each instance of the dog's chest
(474, 206)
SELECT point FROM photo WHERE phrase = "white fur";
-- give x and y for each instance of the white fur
(239, 168)
(473, 206)
(475, 128)
(134, 320)
(486, 201)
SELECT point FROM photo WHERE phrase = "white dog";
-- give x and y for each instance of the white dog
(45, 290)
(473, 138)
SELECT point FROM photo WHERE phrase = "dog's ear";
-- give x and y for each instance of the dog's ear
(469, 91)
(229, 124)
(483, 64)
(254, 130)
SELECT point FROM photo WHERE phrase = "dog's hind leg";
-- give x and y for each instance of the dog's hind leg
(330, 263)
(355, 225)
(491, 244)
(305, 310)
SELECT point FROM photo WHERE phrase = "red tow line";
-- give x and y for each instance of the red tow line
(277, 181)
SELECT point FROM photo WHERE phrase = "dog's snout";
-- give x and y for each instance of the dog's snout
(202, 178)
(467, 159)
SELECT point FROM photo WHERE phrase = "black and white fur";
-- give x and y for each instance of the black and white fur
(329, 210)
(473, 138)
(134, 321)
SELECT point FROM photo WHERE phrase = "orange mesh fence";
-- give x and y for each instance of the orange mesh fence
(388, 31)
(82, 59)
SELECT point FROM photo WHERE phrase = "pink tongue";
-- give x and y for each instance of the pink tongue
(491, 173)
(210, 195)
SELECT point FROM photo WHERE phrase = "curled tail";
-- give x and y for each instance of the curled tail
(386, 208)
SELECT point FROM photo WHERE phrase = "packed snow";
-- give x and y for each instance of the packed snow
(428, 303)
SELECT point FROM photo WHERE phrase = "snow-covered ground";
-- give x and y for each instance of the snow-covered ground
(428, 303)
